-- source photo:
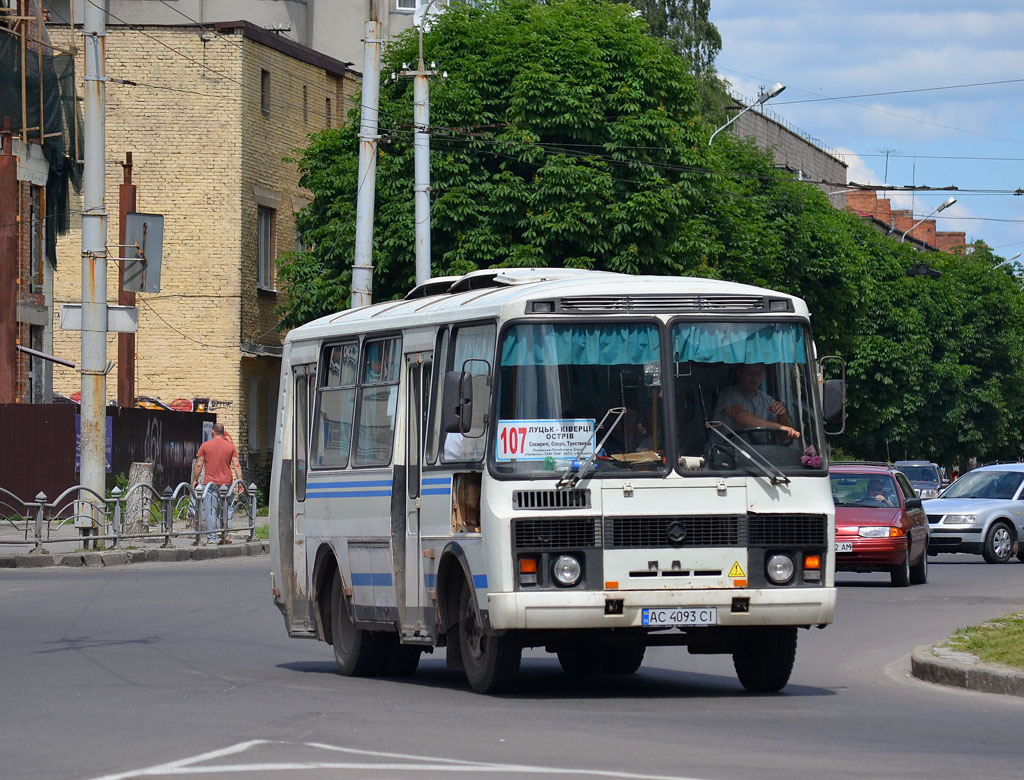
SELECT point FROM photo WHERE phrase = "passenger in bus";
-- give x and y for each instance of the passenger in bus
(745, 405)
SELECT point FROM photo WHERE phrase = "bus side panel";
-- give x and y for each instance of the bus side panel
(351, 511)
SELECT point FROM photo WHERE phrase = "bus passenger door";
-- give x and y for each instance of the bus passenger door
(411, 607)
(293, 533)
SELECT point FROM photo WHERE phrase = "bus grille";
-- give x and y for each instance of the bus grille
(638, 532)
(550, 499)
(787, 529)
(557, 533)
(666, 303)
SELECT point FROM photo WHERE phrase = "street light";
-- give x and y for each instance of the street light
(949, 202)
(762, 98)
(1007, 260)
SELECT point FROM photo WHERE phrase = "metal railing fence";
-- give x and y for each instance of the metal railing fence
(174, 513)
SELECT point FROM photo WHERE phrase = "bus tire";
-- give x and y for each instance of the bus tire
(582, 659)
(354, 649)
(763, 658)
(491, 662)
(625, 658)
(396, 659)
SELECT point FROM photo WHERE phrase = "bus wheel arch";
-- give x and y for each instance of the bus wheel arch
(452, 576)
(325, 570)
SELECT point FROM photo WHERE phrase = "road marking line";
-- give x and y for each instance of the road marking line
(187, 766)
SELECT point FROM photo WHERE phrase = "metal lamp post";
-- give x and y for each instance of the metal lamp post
(762, 98)
(945, 205)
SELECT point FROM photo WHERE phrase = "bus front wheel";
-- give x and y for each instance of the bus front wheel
(491, 662)
(354, 649)
(763, 658)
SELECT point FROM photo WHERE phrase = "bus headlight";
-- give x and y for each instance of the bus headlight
(780, 569)
(567, 570)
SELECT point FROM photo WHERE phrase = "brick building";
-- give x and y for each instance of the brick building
(210, 116)
(37, 110)
(924, 237)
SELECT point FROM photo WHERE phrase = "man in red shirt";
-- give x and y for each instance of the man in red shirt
(220, 458)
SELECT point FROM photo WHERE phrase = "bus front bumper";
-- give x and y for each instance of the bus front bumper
(599, 609)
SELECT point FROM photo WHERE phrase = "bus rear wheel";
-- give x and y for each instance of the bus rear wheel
(763, 658)
(491, 662)
(394, 658)
(354, 649)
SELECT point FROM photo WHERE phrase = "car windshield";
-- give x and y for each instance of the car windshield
(863, 490)
(986, 484)
(921, 473)
(557, 382)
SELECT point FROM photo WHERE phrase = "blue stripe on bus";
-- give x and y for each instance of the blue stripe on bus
(437, 481)
(365, 579)
(350, 483)
(430, 580)
(437, 491)
(479, 580)
(346, 493)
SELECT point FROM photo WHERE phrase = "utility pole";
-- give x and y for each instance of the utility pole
(94, 258)
(125, 341)
(8, 268)
(362, 268)
(421, 149)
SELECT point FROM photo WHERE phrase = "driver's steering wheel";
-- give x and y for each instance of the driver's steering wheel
(763, 436)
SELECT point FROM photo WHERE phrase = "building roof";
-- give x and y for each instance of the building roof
(285, 46)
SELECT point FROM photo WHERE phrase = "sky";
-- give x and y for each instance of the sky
(950, 126)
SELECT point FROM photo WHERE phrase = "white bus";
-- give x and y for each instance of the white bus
(547, 458)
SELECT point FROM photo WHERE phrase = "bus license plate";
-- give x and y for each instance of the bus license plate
(680, 616)
(844, 546)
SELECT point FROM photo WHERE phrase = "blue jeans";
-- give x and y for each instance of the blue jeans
(211, 511)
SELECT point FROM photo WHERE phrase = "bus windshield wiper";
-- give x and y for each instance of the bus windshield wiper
(573, 475)
(766, 467)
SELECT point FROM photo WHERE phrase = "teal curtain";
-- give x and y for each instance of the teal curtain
(734, 342)
(580, 345)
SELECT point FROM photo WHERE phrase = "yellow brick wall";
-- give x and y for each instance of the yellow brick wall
(203, 152)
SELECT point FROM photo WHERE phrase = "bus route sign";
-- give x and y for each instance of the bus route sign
(540, 439)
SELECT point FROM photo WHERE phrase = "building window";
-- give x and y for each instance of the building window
(265, 247)
(265, 92)
(305, 104)
(328, 112)
(35, 236)
(405, 5)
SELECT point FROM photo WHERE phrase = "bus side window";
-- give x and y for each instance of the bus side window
(437, 391)
(378, 402)
(300, 429)
(473, 352)
(335, 404)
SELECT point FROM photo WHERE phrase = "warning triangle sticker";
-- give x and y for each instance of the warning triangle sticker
(736, 570)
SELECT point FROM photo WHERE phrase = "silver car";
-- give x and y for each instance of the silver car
(982, 512)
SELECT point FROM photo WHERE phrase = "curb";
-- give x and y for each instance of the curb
(943, 666)
(83, 559)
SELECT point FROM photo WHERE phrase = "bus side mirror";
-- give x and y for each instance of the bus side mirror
(833, 394)
(457, 406)
(834, 403)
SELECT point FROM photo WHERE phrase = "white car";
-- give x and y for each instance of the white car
(982, 512)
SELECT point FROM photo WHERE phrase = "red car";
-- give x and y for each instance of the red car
(880, 525)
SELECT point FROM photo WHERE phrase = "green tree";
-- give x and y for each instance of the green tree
(563, 135)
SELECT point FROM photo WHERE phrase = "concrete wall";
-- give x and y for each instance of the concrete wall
(793, 152)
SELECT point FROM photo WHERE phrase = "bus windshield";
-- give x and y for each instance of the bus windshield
(725, 397)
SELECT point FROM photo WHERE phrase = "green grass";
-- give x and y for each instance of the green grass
(263, 532)
(999, 641)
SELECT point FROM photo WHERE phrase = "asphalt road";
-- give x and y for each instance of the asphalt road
(171, 669)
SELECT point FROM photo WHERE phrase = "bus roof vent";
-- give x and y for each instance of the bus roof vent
(551, 499)
(668, 303)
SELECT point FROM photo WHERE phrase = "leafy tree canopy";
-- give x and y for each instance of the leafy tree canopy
(566, 135)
